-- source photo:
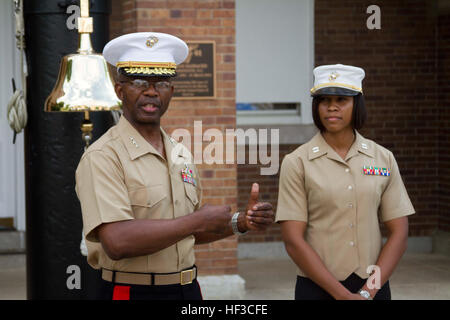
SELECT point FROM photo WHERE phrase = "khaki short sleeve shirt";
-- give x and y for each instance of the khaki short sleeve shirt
(342, 201)
(122, 177)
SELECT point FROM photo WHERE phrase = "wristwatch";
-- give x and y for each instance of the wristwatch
(365, 294)
(234, 222)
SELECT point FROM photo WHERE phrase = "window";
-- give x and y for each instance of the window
(274, 61)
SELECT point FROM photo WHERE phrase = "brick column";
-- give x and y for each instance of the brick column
(444, 116)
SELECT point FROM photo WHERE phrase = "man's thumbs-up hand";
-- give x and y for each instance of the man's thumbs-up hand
(254, 194)
(258, 215)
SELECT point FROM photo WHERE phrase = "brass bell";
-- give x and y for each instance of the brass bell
(84, 83)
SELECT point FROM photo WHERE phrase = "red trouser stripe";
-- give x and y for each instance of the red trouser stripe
(121, 293)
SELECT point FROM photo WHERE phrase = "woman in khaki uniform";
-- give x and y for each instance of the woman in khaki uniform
(333, 192)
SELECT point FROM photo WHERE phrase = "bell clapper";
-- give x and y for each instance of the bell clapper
(86, 129)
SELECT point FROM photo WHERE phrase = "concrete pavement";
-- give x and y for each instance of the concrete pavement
(418, 276)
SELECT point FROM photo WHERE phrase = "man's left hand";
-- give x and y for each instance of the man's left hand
(258, 215)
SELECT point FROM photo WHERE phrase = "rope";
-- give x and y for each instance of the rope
(17, 108)
(17, 111)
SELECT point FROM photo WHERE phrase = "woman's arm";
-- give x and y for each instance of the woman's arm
(391, 252)
(309, 261)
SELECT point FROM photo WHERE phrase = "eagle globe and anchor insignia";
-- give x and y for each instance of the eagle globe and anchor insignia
(333, 76)
(151, 41)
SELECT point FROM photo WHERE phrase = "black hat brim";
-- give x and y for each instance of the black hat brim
(335, 91)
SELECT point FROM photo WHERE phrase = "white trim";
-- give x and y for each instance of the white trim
(268, 117)
(12, 162)
(19, 145)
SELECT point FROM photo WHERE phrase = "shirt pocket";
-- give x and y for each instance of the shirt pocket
(191, 195)
(146, 200)
(371, 189)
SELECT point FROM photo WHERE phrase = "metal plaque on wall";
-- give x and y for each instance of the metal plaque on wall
(196, 76)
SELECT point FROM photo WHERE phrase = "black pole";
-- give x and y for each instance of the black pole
(53, 148)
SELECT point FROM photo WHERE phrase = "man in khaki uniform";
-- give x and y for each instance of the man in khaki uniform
(139, 191)
(333, 190)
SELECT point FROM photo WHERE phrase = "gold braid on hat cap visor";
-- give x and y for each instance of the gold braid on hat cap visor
(156, 68)
(335, 84)
(135, 64)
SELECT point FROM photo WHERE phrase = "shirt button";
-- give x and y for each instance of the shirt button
(347, 170)
(351, 225)
(352, 243)
(350, 205)
(350, 187)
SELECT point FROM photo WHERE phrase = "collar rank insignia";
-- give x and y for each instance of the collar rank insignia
(134, 142)
(188, 175)
(374, 171)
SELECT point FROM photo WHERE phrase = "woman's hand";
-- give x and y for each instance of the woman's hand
(353, 296)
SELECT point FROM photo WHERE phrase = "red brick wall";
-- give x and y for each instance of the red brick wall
(115, 19)
(401, 90)
(198, 20)
(444, 116)
(268, 188)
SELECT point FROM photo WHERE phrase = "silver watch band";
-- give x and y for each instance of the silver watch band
(234, 226)
(365, 294)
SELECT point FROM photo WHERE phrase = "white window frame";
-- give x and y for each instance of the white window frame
(279, 117)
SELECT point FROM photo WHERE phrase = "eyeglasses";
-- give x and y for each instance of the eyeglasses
(142, 85)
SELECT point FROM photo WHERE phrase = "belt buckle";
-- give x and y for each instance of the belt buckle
(191, 272)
